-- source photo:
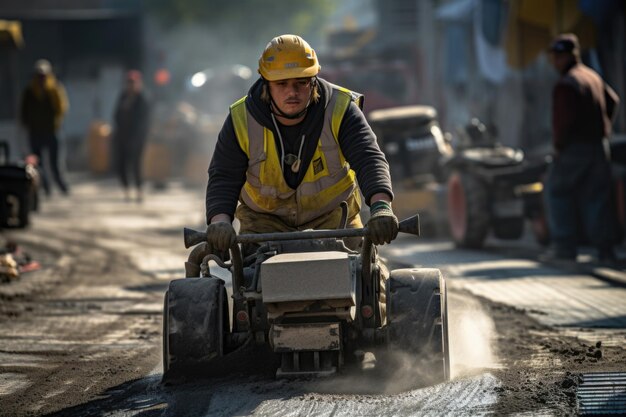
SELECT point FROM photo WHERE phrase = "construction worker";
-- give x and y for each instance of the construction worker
(291, 151)
(131, 117)
(44, 103)
(578, 186)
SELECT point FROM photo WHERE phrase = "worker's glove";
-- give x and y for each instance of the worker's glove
(383, 224)
(221, 236)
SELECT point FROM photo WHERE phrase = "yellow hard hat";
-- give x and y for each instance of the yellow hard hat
(288, 56)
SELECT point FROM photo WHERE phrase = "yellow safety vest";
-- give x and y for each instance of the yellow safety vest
(328, 180)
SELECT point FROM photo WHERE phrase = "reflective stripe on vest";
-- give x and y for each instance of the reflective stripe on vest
(327, 182)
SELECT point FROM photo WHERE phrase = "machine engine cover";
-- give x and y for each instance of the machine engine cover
(309, 276)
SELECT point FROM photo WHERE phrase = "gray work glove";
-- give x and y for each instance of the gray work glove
(383, 224)
(221, 236)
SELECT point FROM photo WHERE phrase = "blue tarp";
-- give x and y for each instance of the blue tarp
(457, 54)
(600, 10)
(493, 14)
(456, 11)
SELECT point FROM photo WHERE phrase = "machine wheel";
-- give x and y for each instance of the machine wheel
(618, 201)
(468, 210)
(417, 321)
(34, 199)
(540, 229)
(24, 212)
(508, 227)
(165, 334)
(195, 325)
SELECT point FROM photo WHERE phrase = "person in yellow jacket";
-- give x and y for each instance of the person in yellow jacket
(44, 103)
(291, 151)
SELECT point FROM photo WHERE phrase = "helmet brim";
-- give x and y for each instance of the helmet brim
(286, 74)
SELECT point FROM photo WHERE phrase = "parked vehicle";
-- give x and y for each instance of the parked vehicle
(19, 190)
(468, 185)
(414, 146)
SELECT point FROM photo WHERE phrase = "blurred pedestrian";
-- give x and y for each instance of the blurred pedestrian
(44, 103)
(578, 186)
(131, 121)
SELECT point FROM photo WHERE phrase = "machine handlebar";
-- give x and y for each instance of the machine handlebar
(409, 225)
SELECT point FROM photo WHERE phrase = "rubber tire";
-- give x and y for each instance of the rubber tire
(195, 325)
(539, 225)
(508, 228)
(417, 320)
(468, 210)
(24, 212)
(165, 335)
(34, 199)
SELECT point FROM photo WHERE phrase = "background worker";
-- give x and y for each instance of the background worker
(291, 151)
(131, 121)
(43, 105)
(578, 186)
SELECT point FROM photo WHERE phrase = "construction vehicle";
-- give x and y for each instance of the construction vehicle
(19, 189)
(314, 303)
(19, 178)
(492, 187)
(414, 145)
(463, 186)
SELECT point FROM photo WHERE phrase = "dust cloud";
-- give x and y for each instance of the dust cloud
(471, 338)
(383, 372)
(472, 334)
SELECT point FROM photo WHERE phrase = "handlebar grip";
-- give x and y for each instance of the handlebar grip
(410, 226)
(193, 237)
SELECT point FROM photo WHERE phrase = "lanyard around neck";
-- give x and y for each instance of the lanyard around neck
(295, 164)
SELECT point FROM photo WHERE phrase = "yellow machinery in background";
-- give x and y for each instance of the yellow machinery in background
(157, 163)
(99, 147)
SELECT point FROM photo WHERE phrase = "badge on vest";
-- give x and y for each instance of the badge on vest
(318, 166)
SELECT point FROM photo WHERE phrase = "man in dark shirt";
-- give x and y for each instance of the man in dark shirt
(578, 186)
(131, 129)
(291, 151)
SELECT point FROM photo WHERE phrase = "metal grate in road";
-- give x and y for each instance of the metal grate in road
(602, 393)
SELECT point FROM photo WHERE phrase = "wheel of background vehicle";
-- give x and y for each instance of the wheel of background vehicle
(468, 209)
(508, 227)
(34, 199)
(417, 322)
(539, 225)
(619, 201)
(195, 325)
(24, 210)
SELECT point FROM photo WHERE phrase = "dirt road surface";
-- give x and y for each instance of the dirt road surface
(82, 336)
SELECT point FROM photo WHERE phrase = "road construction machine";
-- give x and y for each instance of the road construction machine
(309, 300)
